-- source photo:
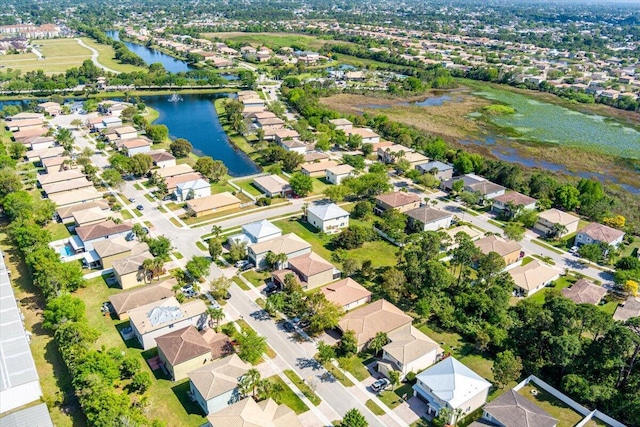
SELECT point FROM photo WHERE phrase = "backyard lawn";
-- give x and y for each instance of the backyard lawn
(566, 416)
(248, 186)
(561, 283)
(393, 398)
(58, 231)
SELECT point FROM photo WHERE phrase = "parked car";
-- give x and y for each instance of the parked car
(140, 207)
(381, 384)
(241, 263)
(132, 199)
(227, 295)
(271, 288)
(574, 250)
(288, 326)
(247, 266)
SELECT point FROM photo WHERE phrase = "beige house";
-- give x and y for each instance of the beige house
(585, 292)
(549, 218)
(289, 244)
(313, 270)
(335, 174)
(90, 216)
(408, 351)
(317, 169)
(174, 181)
(272, 186)
(68, 175)
(210, 204)
(125, 301)
(162, 159)
(187, 349)
(512, 202)
(630, 308)
(368, 136)
(69, 198)
(65, 214)
(599, 233)
(129, 272)
(341, 124)
(117, 248)
(215, 386)
(248, 413)
(66, 186)
(169, 171)
(379, 316)
(532, 277)
(509, 250)
(399, 200)
(347, 293)
(151, 321)
(91, 234)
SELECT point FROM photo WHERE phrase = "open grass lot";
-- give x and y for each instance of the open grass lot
(60, 55)
(380, 252)
(566, 416)
(106, 57)
(464, 351)
(167, 400)
(275, 40)
(288, 397)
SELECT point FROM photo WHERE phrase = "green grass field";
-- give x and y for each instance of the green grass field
(275, 40)
(288, 397)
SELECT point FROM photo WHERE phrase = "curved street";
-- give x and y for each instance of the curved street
(94, 57)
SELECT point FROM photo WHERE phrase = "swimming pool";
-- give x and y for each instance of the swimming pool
(66, 251)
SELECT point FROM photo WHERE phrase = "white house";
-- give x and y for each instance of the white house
(408, 351)
(336, 174)
(162, 159)
(549, 218)
(429, 219)
(289, 244)
(89, 234)
(215, 386)
(192, 190)
(156, 319)
(133, 146)
(257, 232)
(598, 233)
(327, 217)
(450, 384)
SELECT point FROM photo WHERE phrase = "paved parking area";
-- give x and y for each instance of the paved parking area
(411, 410)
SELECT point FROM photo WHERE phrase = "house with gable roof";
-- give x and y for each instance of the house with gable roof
(248, 413)
(327, 217)
(511, 409)
(599, 233)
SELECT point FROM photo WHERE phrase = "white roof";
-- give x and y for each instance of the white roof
(261, 229)
(453, 382)
(327, 211)
(193, 185)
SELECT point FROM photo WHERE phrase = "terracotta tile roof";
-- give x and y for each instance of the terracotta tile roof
(103, 229)
(187, 343)
(248, 413)
(398, 198)
(532, 275)
(143, 295)
(310, 264)
(345, 292)
(601, 233)
(498, 245)
(379, 316)
(515, 198)
(585, 292)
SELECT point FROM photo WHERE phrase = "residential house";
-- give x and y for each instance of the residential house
(215, 386)
(69, 198)
(270, 123)
(154, 320)
(317, 169)
(172, 182)
(192, 190)
(51, 108)
(341, 124)
(41, 143)
(585, 292)
(90, 234)
(509, 250)
(311, 270)
(248, 413)
(294, 145)
(66, 186)
(273, 186)
(599, 233)
(511, 409)
(91, 216)
(125, 301)
(532, 277)
(289, 244)
(35, 156)
(133, 146)
(473, 233)
(315, 157)
(511, 203)
(125, 132)
(117, 248)
(327, 217)
(347, 293)
(18, 125)
(368, 136)
(429, 219)
(440, 170)
(65, 214)
(186, 349)
(400, 200)
(54, 165)
(280, 135)
(408, 351)
(630, 308)
(220, 202)
(335, 174)
(171, 171)
(414, 158)
(450, 384)
(162, 159)
(129, 272)
(256, 232)
(52, 178)
(476, 184)
(379, 316)
(390, 154)
(551, 218)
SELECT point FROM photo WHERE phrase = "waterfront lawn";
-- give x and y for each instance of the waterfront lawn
(248, 186)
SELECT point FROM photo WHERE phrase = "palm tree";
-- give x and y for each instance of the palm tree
(249, 382)
(557, 231)
(377, 342)
(147, 268)
(216, 314)
(264, 388)
(216, 230)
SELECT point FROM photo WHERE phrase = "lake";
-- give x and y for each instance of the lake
(151, 56)
(541, 121)
(195, 118)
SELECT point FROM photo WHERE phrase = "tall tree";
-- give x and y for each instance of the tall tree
(506, 368)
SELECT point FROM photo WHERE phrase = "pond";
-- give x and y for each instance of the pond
(540, 121)
(195, 118)
(151, 56)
